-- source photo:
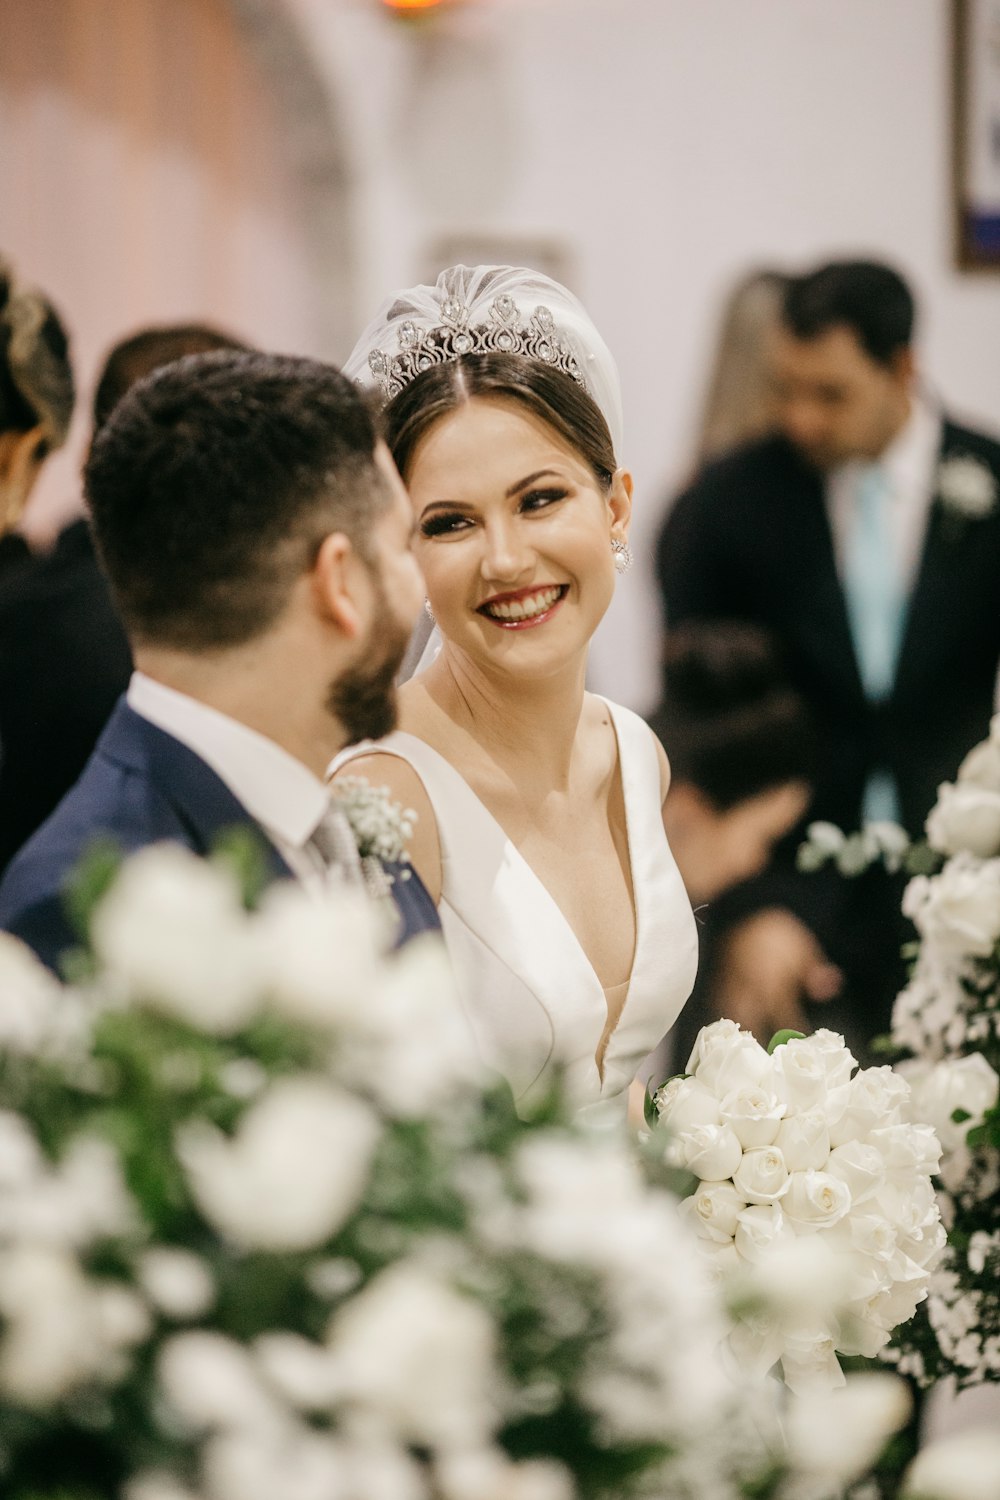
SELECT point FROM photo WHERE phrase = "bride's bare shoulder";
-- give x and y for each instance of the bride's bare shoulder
(601, 720)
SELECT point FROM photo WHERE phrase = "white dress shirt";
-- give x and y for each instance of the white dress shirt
(278, 791)
(909, 465)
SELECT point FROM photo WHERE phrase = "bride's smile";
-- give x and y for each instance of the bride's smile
(524, 608)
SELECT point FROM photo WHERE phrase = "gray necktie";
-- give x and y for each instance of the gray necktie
(335, 844)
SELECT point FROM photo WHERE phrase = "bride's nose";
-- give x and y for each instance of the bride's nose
(506, 554)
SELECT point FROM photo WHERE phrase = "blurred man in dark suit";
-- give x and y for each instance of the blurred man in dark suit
(866, 537)
(257, 538)
(64, 657)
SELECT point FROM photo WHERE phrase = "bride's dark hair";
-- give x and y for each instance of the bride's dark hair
(551, 395)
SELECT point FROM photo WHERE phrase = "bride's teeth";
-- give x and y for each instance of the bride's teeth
(524, 609)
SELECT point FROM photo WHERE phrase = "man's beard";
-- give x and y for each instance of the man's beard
(363, 699)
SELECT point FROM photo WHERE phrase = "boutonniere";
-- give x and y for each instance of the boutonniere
(382, 828)
(966, 489)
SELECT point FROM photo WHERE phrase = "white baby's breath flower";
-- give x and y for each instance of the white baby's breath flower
(172, 933)
(382, 827)
(293, 1172)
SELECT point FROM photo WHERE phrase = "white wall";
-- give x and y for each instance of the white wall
(670, 143)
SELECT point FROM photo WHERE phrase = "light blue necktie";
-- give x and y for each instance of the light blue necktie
(876, 608)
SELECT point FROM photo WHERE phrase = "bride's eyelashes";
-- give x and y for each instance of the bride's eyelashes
(540, 499)
(444, 523)
(453, 522)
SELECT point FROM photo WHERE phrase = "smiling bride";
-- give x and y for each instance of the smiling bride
(540, 829)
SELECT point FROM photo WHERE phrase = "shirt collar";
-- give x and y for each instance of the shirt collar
(277, 790)
(910, 460)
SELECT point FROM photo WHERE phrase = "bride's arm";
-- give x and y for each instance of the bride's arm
(380, 769)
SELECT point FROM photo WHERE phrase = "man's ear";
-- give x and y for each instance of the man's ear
(904, 366)
(336, 580)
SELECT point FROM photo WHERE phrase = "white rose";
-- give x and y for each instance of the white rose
(965, 817)
(176, 1281)
(713, 1209)
(816, 1200)
(966, 1083)
(861, 1167)
(875, 1098)
(173, 934)
(908, 1150)
(962, 1467)
(762, 1176)
(958, 911)
(758, 1228)
(711, 1152)
(418, 1358)
(294, 1171)
(809, 1360)
(725, 1058)
(804, 1140)
(302, 1371)
(754, 1113)
(981, 767)
(683, 1103)
(800, 1074)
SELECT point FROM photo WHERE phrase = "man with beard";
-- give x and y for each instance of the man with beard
(256, 536)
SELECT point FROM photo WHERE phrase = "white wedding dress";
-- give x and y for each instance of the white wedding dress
(531, 996)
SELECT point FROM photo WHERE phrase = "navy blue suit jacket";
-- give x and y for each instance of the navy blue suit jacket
(141, 786)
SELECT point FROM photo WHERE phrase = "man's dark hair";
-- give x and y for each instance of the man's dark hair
(870, 299)
(213, 484)
(732, 724)
(137, 356)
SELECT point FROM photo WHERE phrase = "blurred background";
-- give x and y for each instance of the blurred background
(277, 166)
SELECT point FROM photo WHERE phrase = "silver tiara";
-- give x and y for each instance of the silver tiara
(422, 348)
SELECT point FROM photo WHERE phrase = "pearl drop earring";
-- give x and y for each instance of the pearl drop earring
(623, 554)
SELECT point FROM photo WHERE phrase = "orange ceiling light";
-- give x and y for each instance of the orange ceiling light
(411, 5)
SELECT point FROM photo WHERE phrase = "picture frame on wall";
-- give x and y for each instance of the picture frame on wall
(976, 133)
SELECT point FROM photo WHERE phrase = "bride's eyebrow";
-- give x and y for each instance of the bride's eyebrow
(530, 479)
(443, 505)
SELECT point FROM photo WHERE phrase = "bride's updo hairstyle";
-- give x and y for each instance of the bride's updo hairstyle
(492, 331)
(552, 396)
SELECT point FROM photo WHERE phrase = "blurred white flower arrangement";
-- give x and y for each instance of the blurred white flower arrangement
(813, 1191)
(268, 1232)
(966, 487)
(946, 1030)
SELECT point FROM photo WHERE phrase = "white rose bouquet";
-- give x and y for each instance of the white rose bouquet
(267, 1232)
(812, 1190)
(946, 1039)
